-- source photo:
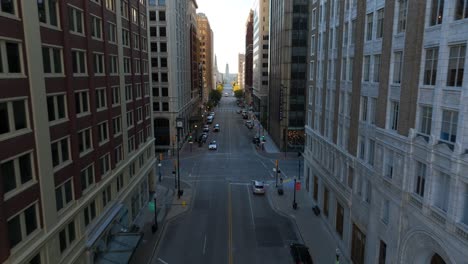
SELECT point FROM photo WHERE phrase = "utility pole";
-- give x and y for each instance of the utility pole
(294, 205)
(277, 172)
(159, 166)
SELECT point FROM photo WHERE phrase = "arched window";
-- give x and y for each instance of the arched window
(436, 259)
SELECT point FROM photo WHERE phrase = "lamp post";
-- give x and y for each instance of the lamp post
(179, 126)
(294, 205)
(155, 215)
(159, 167)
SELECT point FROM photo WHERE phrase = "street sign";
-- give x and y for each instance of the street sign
(151, 206)
(298, 186)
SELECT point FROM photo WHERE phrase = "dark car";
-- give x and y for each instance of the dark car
(203, 137)
(300, 254)
(256, 140)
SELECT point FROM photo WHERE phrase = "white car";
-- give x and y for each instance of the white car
(213, 145)
(258, 187)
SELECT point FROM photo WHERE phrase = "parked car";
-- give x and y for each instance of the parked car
(245, 116)
(213, 145)
(216, 128)
(239, 111)
(249, 124)
(258, 187)
(256, 140)
(212, 114)
(204, 137)
(300, 254)
(206, 128)
(209, 120)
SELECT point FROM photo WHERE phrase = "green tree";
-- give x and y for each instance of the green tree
(239, 94)
(215, 97)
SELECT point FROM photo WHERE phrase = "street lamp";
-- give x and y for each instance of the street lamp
(179, 126)
(299, 171)
(294, 205)
(159, 166)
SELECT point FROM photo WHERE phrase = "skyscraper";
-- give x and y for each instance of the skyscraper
(240, 70)
(226, 75)
(77, 148)
(171, 41)
(386, 134)
(248, 58)
(287, 76)
(205, 34)
(260, 60)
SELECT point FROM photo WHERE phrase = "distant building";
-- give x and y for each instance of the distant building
(206, 54)
(248, 58)
(260, 60)
(387, 135)
(240, 70)
(76, 138)
(288, 73)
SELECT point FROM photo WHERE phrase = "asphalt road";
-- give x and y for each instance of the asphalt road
(226, 222)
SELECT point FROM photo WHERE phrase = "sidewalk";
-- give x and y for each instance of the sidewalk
(313, 230)
(168, 207)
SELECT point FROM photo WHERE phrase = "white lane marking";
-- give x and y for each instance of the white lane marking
(250, 203)
(204, 246)
(162, 261)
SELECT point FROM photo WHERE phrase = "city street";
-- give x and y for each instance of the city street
(226, 222)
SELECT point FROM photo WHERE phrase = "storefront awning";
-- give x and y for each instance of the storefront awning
(120, 248)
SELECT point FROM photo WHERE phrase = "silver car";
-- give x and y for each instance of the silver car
(258, 187)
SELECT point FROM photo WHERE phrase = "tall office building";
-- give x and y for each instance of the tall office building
(77, 156)
(288, 73)
(206, 54)
(260, 60)
(240, 70)
(171, 41)
(248, 58)
(386, 134)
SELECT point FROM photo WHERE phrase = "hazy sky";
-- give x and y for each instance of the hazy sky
(227, 20)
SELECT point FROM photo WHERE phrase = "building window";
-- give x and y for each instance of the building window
(311, 70)
(89, 213)
(125, 38)
(370, 18)
(350, 177)
(113, 65)
(16, 172)
(163, 62)
(353, 31)
(106, 196)
(385, 211)
(60, 152)
(119, 182)
(129, 119)
(124, 9)
(442, 191)
(461, 9)
(139, 118)
(117, 125)
(56, 107)
(137, 66)
(402, 9)
(81, 102)
(464, 218)
(420, 182)
(8, 7)
(134, 15)
(75, 20)
(142, 21)
(20, 226)
(79, 62)
(397, 66)
(358, 245)
(165, 107)
(127, 66)
(146, 89)
(87, 178)
(110, 4)
(382, 252)
(52, 60)
(112, 34)
(162, 31)
(426, 120)
(366, 68)
(389, 165)
(63, 195)
(362, 148)
(128, 92)
(103, 132)
(377, 68)
(101, 99)
(163, 47)
(430, 68)
(380, 23)
(449, 126)
(85, 143)
(370, 157)
(144, 44)
(136, 41)
(394, 115)
(13, 117)
(131, 144)
(345, 34)
(350, 68)
(339, 219)
(118, 154)
(131, 169)
(456, 65)
(98, 64)
(325, 201)
(104, 164)
(67, 236)
(115, 95)
(96, 27)
(368, 193)
(10, 57)
(437, 11)
(162, 16)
